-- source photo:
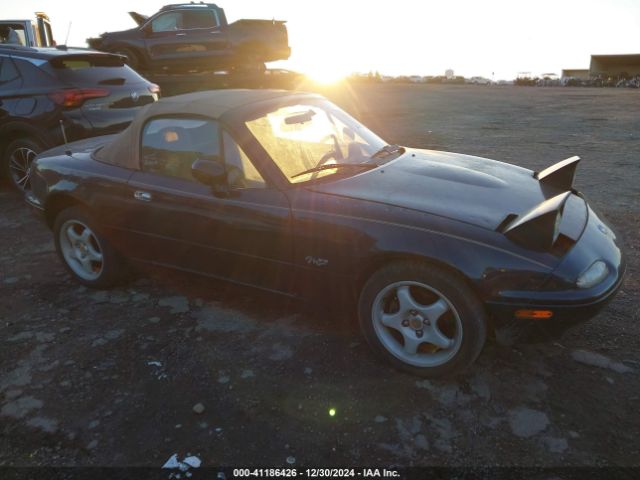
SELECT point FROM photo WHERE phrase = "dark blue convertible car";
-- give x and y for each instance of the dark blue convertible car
(286, 192)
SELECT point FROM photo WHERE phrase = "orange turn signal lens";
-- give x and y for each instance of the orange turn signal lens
(534, 314)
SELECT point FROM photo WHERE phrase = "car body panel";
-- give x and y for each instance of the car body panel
(244, 237)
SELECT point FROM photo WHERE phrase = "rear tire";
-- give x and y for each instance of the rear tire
(422, 319)
(16, 164)
(84, 251)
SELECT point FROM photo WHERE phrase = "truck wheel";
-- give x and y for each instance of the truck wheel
(422, 319)
(132, 58)
(85, 252)
(16, 164)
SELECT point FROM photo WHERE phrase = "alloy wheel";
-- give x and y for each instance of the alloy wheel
(20, 166)
(417, 324)
(81, 250)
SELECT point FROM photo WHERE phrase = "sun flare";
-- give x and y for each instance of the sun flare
(325, 75)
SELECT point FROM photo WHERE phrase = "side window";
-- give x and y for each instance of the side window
(31, 75)
(167, 22)
(9, 76)
(12, 34)
(240, 171)
(199, 19)
(171, 145)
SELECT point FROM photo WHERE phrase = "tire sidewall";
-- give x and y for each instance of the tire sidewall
(112, 267)
(461, 296)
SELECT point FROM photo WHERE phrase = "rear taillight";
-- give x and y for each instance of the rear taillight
(155, 90)
(75, 97)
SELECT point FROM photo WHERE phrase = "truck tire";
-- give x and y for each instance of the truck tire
(132, 58)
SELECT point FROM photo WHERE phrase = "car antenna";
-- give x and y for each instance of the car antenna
(64, 137)
(66, 39)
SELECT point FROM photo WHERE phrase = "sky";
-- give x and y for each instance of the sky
(492, 38)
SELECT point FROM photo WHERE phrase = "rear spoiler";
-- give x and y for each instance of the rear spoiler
(560, 175)
(537, 229)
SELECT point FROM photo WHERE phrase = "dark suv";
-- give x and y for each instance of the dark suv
(49, 96)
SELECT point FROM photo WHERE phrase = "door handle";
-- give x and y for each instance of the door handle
(180, 34)
(142, 196)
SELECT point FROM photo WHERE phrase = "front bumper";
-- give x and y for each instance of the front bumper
(569, 304)
(565, 315)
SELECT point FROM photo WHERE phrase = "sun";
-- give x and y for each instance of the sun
(325, 75)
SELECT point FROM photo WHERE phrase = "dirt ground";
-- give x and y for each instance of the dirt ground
(111, 378)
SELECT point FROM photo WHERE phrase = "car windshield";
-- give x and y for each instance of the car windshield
(304, 137)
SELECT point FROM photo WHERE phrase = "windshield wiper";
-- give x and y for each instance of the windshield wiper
(388, 150)
(329, 166)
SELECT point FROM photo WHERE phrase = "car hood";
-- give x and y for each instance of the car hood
(124, 34)
(469, 189)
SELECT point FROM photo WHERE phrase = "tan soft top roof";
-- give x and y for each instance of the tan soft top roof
(123, 149)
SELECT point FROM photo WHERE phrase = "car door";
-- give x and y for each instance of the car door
(10, 88)
(185, 36)
(241, 234)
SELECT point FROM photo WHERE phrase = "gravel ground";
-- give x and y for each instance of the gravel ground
(174, 364)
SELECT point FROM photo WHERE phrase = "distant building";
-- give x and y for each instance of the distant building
(449, 74)
(576, 73)
(614, 65)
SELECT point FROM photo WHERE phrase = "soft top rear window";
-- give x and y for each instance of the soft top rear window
(79, 62)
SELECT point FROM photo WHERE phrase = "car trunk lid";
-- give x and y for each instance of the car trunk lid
(112, 92)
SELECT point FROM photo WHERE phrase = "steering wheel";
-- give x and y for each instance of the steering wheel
(336, 153)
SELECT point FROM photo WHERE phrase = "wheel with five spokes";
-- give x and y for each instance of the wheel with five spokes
(17, 162)
(85, 252)
(422, 319)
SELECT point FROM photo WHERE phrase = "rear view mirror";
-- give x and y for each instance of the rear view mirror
(299, 118)
(209, 172)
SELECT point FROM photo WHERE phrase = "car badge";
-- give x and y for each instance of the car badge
(135, 96)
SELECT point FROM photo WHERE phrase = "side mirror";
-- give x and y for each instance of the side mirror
(209, 172)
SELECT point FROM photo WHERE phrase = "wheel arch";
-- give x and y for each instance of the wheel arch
(139, 53)
(58, 202)
(16, 130)
(375, 262)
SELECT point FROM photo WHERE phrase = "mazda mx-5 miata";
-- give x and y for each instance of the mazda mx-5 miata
(286, 192)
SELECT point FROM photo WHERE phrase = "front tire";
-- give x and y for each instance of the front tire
(84, 251)
(17, 161)
(422, 319)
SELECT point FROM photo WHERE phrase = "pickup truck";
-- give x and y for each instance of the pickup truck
(27, 33)
(196, 36)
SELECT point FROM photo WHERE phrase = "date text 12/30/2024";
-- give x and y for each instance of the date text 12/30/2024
(315, 472)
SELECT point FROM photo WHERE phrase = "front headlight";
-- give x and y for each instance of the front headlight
(593, 275)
